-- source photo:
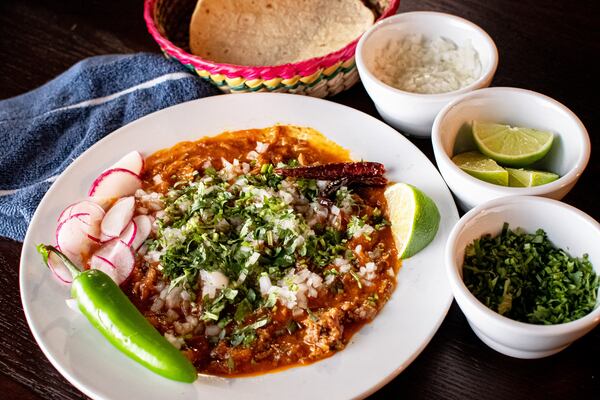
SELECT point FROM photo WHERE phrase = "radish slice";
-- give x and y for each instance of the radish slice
(92, 223)
(91, 227)
(104, 202)
(115, 182)
(117, 218)
(75, 258)
(58, 268)
(144, 227)
(115, 259)
(104, 265)
(83, 207)
(129, 234)
(104, 238)
(133, 162)
(72, 234)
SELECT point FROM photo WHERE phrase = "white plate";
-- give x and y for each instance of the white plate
(375, 355)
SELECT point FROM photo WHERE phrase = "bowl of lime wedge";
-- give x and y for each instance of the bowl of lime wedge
(498, 142)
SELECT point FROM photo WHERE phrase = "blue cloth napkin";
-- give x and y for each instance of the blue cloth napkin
(44, 130)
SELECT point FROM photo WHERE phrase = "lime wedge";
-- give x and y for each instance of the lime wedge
(481, 167)
(414, 216)
(511, 146)
(527, 178)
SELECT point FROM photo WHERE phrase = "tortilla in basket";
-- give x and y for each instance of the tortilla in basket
(273, 32)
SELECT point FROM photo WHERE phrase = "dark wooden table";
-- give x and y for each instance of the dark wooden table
(546, 46)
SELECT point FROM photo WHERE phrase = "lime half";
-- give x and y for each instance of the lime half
(414, 216)
(511, 146)
(528, 178)
(481, 167)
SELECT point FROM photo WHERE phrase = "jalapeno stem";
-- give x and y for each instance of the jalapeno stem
(45, 251)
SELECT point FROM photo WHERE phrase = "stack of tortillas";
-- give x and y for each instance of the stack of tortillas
(273, 32)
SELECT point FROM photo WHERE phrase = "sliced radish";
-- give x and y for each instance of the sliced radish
(104, 202)
(75, 258)
(144, 227)
(83, 207)
(129, 234)
(117, 218)
(101, 263)
(72, 234)
(115, 182)
(116, 259)
(133, 162)
(58, 268)
(66, 213)
(104, 238)
(91, 227)
(92, 223)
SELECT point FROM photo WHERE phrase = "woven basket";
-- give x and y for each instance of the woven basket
(168, 22)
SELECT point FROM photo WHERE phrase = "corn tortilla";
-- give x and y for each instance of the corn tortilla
(273, 32)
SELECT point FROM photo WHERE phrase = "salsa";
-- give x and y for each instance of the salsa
(247, 271)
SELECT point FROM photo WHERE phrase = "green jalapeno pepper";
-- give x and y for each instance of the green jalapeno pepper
(110, 311)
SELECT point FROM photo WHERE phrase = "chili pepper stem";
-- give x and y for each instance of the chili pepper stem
(45, 249)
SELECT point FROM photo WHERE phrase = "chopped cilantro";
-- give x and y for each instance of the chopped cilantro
(357, 279)
(247, 334)
(312, 315)
(373, 299)
(526, 278)
(292, 327)
(309, 188)
(354, 225)
(230, 364)
(358, 227)
(242, 310)
(245, 225)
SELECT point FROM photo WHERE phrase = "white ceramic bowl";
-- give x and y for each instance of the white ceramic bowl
(413, 113)
(451, 135)
(566, 226)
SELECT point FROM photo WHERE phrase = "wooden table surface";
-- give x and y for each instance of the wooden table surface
(547, 46)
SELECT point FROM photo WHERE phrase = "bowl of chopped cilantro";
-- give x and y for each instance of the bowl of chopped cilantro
(525, 271)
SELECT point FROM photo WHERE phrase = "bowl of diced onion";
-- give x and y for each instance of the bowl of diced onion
(413, 64)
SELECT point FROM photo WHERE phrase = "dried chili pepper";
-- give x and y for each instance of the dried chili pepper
(333, 171)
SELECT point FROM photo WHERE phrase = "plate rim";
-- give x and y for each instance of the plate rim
(132, 125)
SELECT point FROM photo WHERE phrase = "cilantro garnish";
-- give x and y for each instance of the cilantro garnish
(526, 278)
(246, 225)
(247, 334)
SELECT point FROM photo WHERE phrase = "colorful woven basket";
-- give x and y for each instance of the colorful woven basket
(168, 22)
